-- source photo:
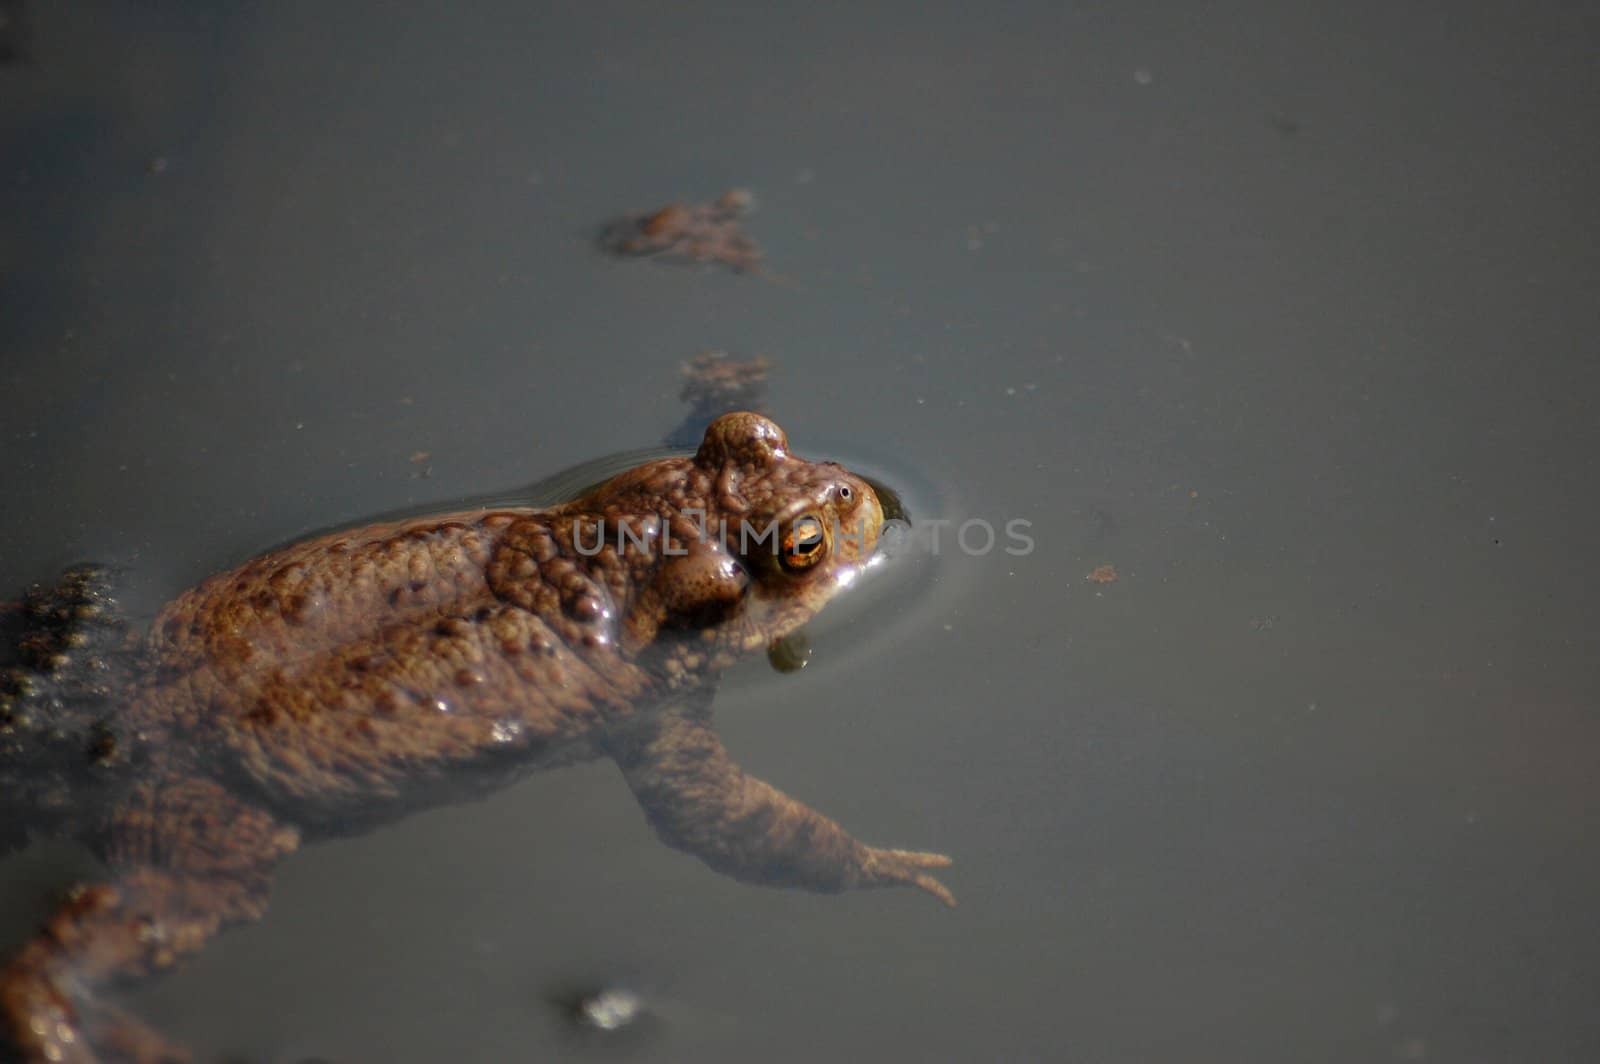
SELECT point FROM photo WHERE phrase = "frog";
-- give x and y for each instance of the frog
(347, 680)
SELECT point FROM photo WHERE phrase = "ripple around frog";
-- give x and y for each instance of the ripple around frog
(908, 594)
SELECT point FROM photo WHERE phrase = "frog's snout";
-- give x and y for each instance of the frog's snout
(861, 526)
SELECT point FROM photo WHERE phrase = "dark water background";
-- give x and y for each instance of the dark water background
(1286, 310)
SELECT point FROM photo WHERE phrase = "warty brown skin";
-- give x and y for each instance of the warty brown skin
(353, 677)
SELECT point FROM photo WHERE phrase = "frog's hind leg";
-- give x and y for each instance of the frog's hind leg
(188, 859)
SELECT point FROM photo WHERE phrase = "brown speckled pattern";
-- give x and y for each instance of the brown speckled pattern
(353, 677)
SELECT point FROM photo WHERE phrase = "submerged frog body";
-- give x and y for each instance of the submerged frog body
(353, 677)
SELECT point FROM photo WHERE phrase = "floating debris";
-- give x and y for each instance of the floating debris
(1103, 574)
(689, 232)
(609, 1010)
(717, 383)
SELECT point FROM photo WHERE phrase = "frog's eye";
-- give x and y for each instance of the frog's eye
(804, 544)
(844, 493)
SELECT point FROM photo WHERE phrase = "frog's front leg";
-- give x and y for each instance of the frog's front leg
(702, 803)
(188, 859)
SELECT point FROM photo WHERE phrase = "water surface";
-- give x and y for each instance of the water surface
(1287, 314)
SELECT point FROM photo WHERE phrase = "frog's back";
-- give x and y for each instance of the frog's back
(371, 664)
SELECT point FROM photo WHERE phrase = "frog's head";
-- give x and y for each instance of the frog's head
(783, 536)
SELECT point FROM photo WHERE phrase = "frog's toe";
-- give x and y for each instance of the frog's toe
(893, 868)
(931, 885)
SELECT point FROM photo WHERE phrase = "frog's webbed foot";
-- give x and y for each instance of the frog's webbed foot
(190, 859)
(702, 803)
